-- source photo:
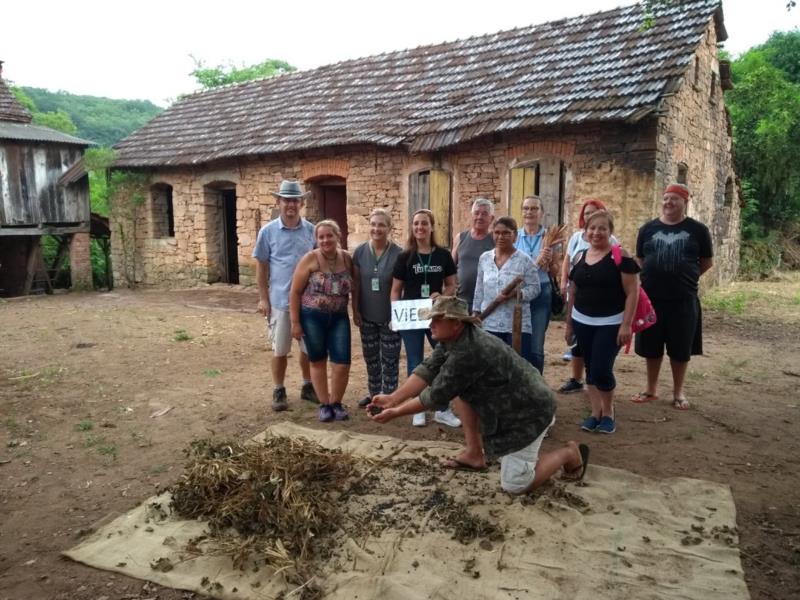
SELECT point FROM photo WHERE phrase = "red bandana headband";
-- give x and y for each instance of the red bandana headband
(677, 189)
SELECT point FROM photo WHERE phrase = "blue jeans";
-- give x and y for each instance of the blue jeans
(540, 319)
(600, 349)
(525, 350)
(414, 341)
(326, 334)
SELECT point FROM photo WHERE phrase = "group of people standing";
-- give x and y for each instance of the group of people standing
(306, 281)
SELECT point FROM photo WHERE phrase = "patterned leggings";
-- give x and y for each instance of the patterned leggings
(381, 348)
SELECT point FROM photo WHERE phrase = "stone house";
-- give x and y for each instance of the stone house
(44, 190)
(591, 106)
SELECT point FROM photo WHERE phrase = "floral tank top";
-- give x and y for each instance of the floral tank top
(328, 292)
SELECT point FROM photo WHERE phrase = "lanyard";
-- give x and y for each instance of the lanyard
(425, 266)
(530, 247)
(377, 258)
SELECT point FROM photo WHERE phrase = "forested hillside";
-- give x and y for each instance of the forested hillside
(102, 120)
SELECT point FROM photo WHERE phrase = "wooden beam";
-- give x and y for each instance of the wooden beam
(30, 268)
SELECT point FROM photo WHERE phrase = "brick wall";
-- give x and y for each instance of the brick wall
(695, 132)
(80, 261)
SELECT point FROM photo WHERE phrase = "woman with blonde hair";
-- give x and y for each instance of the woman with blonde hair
(423, 270)
(373, 263)
(321, 287)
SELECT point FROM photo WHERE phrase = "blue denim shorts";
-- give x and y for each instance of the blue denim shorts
(326, 335)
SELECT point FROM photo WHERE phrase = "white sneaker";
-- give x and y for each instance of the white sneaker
(446, 417)
(418, 420)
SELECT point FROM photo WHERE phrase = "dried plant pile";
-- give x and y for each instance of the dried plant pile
(279, 496)
(552, 236)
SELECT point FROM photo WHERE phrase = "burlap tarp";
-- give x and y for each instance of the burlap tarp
(634, 538)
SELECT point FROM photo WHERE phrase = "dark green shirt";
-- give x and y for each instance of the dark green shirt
(513, 403)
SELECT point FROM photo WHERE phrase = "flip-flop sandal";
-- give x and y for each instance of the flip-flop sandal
(459, 465)
(643, 397)
(578, 473)
(680, 404)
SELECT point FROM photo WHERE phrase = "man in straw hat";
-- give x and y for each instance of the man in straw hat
(280, 245)
(505, 406)
(673, 250)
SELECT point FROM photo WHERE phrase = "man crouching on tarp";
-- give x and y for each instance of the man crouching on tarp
(504, 404)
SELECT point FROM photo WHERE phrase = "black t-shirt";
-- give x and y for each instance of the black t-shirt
(598, 287)
(414, 270)
(670, 256)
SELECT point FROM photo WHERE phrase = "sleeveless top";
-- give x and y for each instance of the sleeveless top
(469, 252)
(327, 291)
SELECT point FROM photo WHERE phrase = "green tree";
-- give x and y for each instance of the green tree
(765, 112)
(211, 77)
(56, 119)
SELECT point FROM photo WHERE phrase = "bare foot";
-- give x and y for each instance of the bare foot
(465, 460)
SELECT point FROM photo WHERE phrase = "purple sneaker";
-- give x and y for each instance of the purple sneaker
(339, 412)
(326, 413)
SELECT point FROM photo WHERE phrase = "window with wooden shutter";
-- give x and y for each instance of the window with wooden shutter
(523, 183)
(431, 190)
(545, 178)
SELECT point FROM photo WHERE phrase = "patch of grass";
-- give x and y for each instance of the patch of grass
(108, 450)
(733, 304)
(11, 424)
(141, 440)
(181, 335)
(85, 425)
(95, 440)
(212, 372)
(696, 375)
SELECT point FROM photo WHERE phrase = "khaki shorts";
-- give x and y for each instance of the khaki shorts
(279, 333)
(518, 469)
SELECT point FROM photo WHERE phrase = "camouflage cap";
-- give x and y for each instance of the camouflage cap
(449, 307)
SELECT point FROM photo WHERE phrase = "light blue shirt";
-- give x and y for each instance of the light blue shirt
(282, 248)
(532, 246)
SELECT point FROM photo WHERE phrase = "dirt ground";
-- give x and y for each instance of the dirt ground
(101, 392)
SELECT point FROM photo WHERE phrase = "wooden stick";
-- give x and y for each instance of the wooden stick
(507, 291)
(516, 324)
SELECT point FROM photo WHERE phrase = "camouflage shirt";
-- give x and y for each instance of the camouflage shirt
(513, 403)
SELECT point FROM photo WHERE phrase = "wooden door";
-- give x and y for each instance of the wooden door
(440, 205)
(523, 183)
(550, 190)
(334, 207)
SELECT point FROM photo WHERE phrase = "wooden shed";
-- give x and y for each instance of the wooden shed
(44, 190)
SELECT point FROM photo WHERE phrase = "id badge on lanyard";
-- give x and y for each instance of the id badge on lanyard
(376, 284)
(425, 290)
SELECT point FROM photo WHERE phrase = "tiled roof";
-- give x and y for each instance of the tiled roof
(34, 133)
(600, 67)
(10, 108)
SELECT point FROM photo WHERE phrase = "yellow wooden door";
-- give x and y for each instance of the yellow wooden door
(523, 183)
(440, 205)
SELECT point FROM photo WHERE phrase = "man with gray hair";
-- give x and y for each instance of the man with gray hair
(467, 249)
(470, 244)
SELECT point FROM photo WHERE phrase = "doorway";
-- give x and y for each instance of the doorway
(230, 240)
(333, 205)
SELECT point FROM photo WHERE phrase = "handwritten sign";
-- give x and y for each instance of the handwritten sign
(405, 314)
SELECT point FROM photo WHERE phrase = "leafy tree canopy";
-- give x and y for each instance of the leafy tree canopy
(211, 77)
(765, 111)
(104, 121)
(56, 119)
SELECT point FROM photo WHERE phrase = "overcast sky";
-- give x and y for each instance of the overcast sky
(141, 49)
